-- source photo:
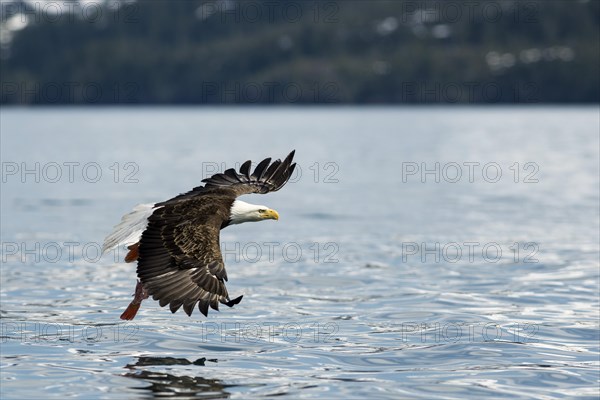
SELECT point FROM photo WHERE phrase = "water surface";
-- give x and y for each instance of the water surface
(421, 252)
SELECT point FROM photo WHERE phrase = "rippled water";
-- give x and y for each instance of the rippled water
(379, 280)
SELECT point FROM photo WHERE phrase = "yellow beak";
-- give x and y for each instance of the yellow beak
(271, 214)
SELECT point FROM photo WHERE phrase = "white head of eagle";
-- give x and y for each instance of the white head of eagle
(245, 212)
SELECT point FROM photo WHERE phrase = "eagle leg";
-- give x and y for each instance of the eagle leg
(140, 295)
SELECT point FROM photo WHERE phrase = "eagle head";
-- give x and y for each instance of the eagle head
(245, 212)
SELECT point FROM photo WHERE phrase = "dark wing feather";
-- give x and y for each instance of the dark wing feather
(267, 177)
(180, 262)
(260, 169)
(245, 169)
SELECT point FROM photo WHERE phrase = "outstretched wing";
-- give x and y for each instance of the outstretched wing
(267, 177)
(180, 261)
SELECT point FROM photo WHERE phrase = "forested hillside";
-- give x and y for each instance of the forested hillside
(264, 51)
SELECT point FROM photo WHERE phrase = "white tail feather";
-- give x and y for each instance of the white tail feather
(130, 229)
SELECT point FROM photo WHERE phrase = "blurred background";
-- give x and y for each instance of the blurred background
(289, 52)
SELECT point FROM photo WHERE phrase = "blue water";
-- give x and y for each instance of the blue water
(421, 253)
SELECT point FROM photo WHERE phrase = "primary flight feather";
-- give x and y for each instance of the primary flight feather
(176, 242)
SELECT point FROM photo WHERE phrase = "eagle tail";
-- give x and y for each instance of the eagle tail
(130, 229)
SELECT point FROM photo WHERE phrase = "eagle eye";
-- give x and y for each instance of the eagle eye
(262, 210)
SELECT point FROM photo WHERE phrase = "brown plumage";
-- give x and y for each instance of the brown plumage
(133, 253)
(178, 254)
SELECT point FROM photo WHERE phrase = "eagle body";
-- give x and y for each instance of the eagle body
(176, 242)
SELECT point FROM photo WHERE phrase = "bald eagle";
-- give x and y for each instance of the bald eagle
(176, 242)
